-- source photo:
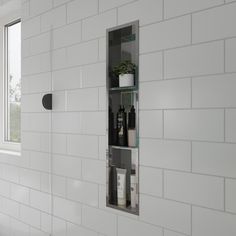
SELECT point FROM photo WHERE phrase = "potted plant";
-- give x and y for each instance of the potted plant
(125, 71)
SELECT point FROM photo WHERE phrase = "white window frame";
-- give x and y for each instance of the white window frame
(5, 145)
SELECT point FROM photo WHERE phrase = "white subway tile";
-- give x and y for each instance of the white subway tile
(59, 2)
(230, 125)
(66, 166)
(58, 227)
(82, 100)
(167, 34)
(41, 201)
(36, 64)
(59, 101)
(36, 83)
(5, 188)
(151, 67)
(176, 8)
(59, 59)
(230, 195)
(37, 232)
(66, 122)
(20, 193)
(211, 91)
(93, 123)
(95, 27)
(83, 53)
(94, 219)
(102, 98)
(19, 229)
(38, 7)
(67, 79)
(214, 23)
(230, 55)
(30, 178)
(212, 223)
(165, 154)
(67, 35)
(165, 94)
(5, 222)
(39, 43)
(46, 220)
(30, 216)
(147, 177)
(139, 11)
(83, 192)
(108, 4)
(83, 145)
(214, 158)
(46, 182)
(40, 161)
(150, 124)
(128, 226)
(195, 189)
(194, 60)
(94, 171)
(30, 141)
(31, 27)
(59, 186)
(10, 173)
(36, 122)
(32, 103)
(103, 145)
(67, 210)
(59, 143)
(94, 75)
(165, 213)
(77, 10)
(53, 19)
(204, 125)
(102, 49)
(75, 230)
(9, 207)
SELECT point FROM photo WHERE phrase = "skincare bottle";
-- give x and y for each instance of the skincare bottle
(133, 189)
(121, 127)
(111, 126)
(131, 128)
(121, 186)
(112, 185)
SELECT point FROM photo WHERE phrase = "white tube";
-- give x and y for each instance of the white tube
(121, 186)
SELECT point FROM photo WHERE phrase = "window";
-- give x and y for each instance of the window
(12, 82)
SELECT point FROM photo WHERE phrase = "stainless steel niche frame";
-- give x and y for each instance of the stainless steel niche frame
(122, 44)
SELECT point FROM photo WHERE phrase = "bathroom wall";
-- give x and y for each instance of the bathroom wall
(187, 121)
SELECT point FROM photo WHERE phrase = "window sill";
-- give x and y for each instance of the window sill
(9, 152)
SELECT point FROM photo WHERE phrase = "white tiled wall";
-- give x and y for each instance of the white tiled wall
(187, 121)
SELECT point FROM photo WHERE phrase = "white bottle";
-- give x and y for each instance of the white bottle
(133, 189)
(121, 186)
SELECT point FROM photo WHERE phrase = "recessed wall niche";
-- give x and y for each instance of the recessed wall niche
(123, 128)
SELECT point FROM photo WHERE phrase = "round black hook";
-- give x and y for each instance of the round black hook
(47, 101)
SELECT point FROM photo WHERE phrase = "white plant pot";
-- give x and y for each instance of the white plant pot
(126, 80)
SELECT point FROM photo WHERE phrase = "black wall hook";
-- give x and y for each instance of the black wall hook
(47, 101)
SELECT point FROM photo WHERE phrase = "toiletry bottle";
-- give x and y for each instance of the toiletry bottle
(121, 186)
(111, 127)
(131, 128)
(121, 127)
(133, 189)
(112, 185)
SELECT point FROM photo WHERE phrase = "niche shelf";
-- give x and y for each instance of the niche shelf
(123, 129)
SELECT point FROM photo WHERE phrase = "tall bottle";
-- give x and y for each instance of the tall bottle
(111, 127)
(132, 128)
(122, 127)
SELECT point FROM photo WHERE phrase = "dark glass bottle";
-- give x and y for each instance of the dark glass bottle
(122, 127)
(111, 127)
